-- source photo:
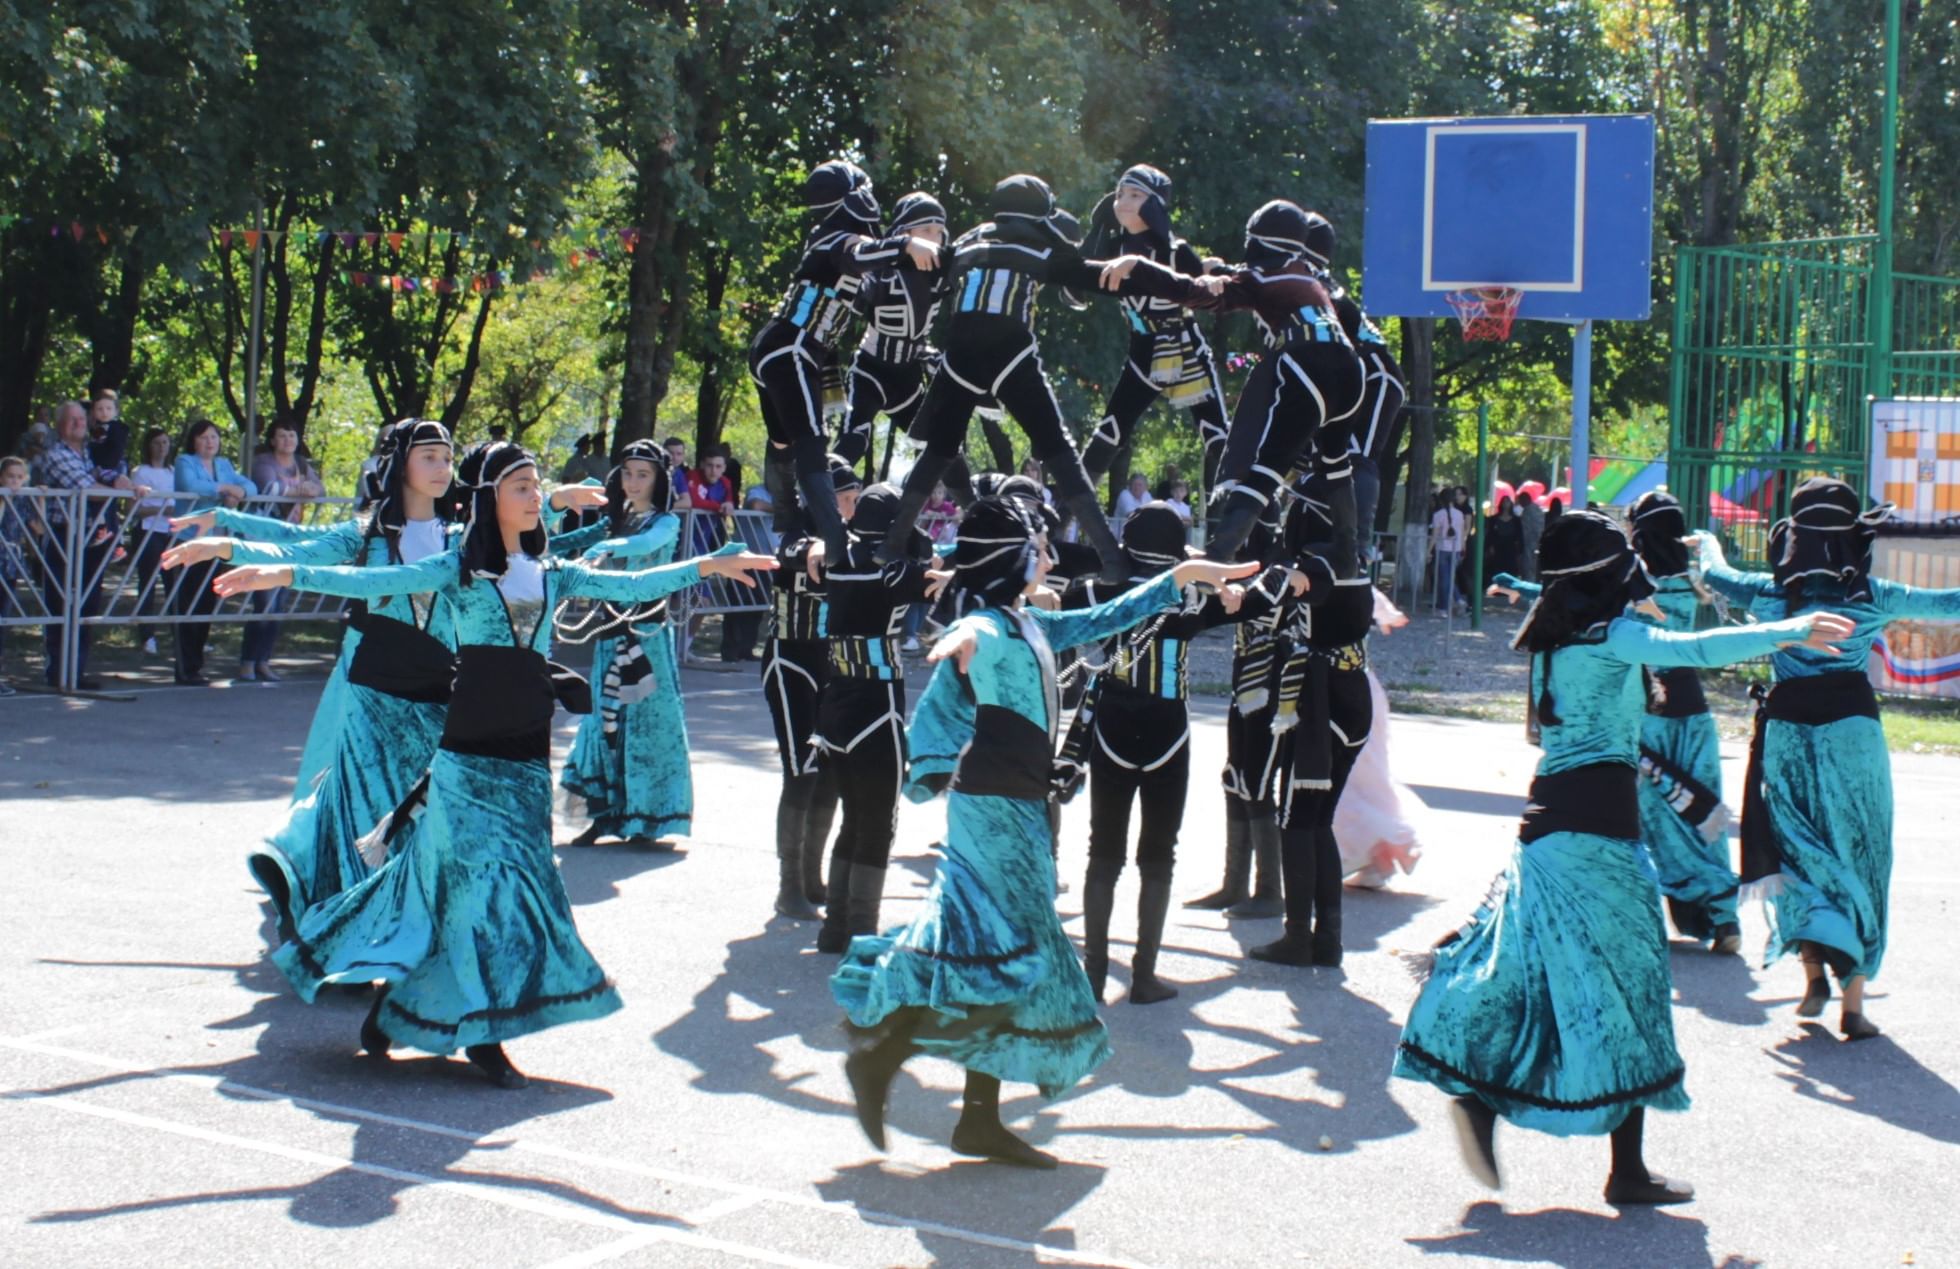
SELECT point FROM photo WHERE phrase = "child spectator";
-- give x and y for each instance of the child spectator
(152, 518)
(14, 520)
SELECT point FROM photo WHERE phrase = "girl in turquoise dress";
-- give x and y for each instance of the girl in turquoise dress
(467, 922)
(382, 713)
(1683, 822)
(628, 765)
(1817, 805)
(985, 976)
(1551, 1006)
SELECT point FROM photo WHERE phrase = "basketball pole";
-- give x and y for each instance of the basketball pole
(1878, 366)
(1581, 412)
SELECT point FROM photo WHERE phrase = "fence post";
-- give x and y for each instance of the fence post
(1477, 509)
(72, 568)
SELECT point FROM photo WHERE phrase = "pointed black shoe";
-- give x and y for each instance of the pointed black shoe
(490, 1059)
(1153, 907)
(871, 1068)
(1855, 1026)
(1476, 1138)
(1291, 948)
(1647, 1190)
(981, 1135)
(375, 1041)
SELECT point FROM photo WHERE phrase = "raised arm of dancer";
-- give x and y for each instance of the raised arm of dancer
(1731, 584)
(1073, 627)
(340, 544)
(1515, 588)
(1640, 644)
(243, 524)
(657, 537)
(643, 586)
(574, 543)
(1915, 603)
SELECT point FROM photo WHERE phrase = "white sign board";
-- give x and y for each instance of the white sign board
(1915, 460)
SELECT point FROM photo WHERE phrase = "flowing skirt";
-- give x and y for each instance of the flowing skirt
(635, 781)
(323, 733)
(467, 921)
(1552, 1005)
(1829, 792)
(1371, 823)
(1695, 871)
(987, 957)
(383, 746)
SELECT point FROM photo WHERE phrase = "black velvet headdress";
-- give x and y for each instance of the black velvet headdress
(1829, 534)
(391, 479)
(484, 468)
(1659, 526)
(619, 515)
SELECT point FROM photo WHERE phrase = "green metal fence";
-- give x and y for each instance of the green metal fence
(1773, 372)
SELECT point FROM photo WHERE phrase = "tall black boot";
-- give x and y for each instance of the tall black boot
(833, 938)
(779, 478)
(816, 831)
(1090, 523)
(1098, 903)
(1265, 901)
(1242, 510)
(1153, 905)
(1326, 898)
(792, 813)
(873, 1064)
(1630, 1183)
(1295, 947)
(819, 495)
(374, 1040)
(867, 893)
(926, 472)
(981, 1135)
(1238, 865)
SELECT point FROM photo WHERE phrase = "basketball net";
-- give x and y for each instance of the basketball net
(1486, 312)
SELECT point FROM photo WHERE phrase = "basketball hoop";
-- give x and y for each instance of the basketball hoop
(1486, 312)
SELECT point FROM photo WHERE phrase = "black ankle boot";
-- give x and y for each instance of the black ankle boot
(1817, 991)
(1295, 947)
(927, 471)
(832, 938)
(867, 896)
(873, 1065)
(1630, 1183)
(1327, 900)
(1476, 1138)
(490, 1059)
(1153, 906)
(816, 833)
(1267, 898)
(1098, 903)
(1238, 869)
(981, 1135)
(374, 1040)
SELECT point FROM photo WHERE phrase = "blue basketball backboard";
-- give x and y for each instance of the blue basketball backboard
(1561, 207)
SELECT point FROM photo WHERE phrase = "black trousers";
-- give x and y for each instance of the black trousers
(879, 387)
(54, 577)
(1292, 396)
(1310, 859)
(194, 597)
(1140, 755)
(788, 370)
(1135, 392)
(996, 359)
(862, 734)
(793, 674)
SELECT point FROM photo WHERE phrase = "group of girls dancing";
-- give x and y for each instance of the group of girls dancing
(417, 852)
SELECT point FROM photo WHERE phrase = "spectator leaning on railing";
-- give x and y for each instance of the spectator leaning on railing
(16, 517)
(67, 465)
(151, 535)
(280, 470)
(203, 471)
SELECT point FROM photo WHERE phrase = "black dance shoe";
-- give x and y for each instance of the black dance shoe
(1647, 1190)
(1855, 1026)
(490, 1059)
(1476, 1137)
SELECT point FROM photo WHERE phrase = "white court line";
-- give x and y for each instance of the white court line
(482, 1193)
(602, 1253)
(753, 1193)
(109, 691)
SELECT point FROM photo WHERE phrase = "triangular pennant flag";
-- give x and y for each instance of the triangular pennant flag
(102, 235)
(251, 239)
(396, 239)
(359, 279)
(348, 238)
(224, 237)
(324, 237)
(371, 237)
(75, 228)
(272, 237)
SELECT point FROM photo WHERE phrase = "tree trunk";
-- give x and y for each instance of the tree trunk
(459, 401)
(1419, 373)
(25, 303)
(718, 371)
(645, 300)
(112, 343)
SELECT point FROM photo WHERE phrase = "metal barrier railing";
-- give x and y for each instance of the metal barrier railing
(88, 558)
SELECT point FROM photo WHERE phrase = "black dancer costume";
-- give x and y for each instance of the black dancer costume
(795, 664)
(1325, 711)
(1140, 752)
(1167, 354)
(1253, 751)
(888, 374)
(995, 274)
(861, 716)
(1307, 389)
(1377, 422)
(792, 351)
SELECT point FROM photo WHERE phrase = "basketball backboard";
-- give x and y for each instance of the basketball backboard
(1561, 207)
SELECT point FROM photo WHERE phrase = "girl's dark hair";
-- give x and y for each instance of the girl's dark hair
(150, 438)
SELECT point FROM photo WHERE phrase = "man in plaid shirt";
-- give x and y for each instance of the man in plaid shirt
(67, 465)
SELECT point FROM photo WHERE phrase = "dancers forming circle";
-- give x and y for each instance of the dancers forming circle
(417, 852)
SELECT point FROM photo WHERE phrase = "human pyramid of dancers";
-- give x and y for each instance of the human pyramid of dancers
(417, 854)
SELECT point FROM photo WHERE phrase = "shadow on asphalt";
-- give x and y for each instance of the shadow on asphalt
(1872, 1077)
(1717, 987)
(309, 1053)
(951, 1195)
(1648, 1237)
(592, 873)
(1469, 801)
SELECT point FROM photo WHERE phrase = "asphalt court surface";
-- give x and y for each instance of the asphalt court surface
(169, 1101)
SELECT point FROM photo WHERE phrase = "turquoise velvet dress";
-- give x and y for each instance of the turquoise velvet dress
(1552, 1004)
(467, 920)
(1694, 870)
(987, 955)
(377, 746)
(1828, 788)
(634, 780)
